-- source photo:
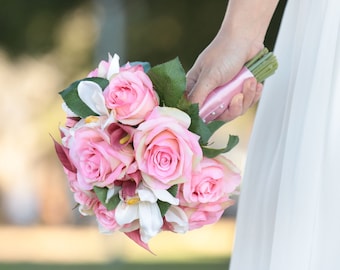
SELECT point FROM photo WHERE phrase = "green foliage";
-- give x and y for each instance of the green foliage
(102, 195)
(30, 27)
(164, 206)
(211, 152)
(73, 101)
(169, 81)
(146, 65)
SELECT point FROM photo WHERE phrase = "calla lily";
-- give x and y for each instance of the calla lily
(92, 95)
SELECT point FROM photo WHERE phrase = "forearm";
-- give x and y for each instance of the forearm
(247, 20)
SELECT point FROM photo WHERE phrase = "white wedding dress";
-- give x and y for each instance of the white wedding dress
(289, 210)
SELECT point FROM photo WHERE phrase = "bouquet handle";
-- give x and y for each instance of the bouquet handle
(218, 100)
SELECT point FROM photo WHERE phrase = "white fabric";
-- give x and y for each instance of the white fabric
(289, 209)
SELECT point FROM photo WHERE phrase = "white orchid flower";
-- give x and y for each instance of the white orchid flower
(113, 66)
(85, 210)
(143, 206)
(92, 95)
(178, 219)
(108, 68)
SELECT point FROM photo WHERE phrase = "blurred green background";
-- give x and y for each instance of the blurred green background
(45, 45)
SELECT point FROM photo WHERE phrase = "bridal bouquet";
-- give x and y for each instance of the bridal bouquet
(136, 152)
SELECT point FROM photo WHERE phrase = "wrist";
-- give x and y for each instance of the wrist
(246, 46)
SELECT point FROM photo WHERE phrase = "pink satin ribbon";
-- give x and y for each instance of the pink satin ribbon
(218, 100)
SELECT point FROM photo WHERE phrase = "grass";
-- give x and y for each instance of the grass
(216, 265)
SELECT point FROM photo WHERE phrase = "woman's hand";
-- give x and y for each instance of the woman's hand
(217, 65)
(240, 37)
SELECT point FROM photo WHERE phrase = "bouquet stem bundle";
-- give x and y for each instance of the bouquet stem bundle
(263, 65)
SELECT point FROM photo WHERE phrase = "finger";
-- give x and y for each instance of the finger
(234, 109)
(191, 78)
(201, 89)
(258, 93)
(249, 92)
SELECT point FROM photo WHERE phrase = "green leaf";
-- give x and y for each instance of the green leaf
(197, 125)
(146, 65)
(164, 206)
(232, 142)
(102, 195)
(169, 81)
(201, 129)
(185, 105)
(215, 125)
(213, 152)
(73, 101)
(113, 202)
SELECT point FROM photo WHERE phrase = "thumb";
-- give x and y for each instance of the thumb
(201, 89)
(200, 83)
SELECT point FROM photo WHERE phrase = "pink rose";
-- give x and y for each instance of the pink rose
(106, 69)
(209, 214)
(106, 218)
(101, 70)
(71, 121)
(166, 151)
(87, 201)
(207, 195)
(97, 162)
(213, 184)
(72, 180)
(130, 95)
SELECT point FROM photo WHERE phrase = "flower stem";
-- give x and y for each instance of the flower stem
(262, 65)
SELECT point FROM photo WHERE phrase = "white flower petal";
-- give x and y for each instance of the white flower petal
(146, 195)
(92, 95)
(178, 219)
(165, 196)
(130, 227)
(125, 213)
(150, 220)
(114, 66)
(103, 230)
(176, 114)
(85, 210)
(67, 110)
(111, 119)
(111, 192)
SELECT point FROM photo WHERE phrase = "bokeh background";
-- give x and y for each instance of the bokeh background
(46, 45)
